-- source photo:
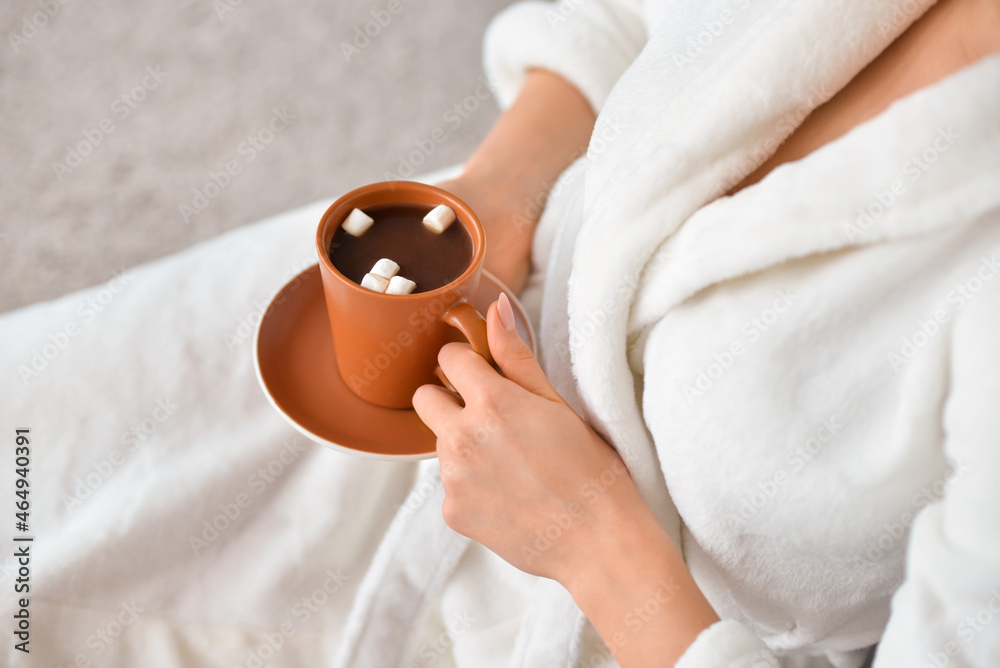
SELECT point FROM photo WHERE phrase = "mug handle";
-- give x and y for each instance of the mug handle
(466, 319)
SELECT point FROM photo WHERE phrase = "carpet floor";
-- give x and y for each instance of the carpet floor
(131, 130)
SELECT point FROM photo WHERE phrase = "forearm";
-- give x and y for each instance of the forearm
(507, 180)
(536, 139)
(637, 592)
(546, 493)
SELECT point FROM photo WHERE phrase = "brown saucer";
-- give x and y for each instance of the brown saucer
(294, 357)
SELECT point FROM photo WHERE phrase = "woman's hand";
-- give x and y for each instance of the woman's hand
(507, 179)
(522, 472)
(525, 476)
(509, 214)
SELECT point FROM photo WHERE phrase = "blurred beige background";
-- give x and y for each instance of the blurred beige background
(141, 103)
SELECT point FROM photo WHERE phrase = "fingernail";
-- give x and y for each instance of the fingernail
(505, 312)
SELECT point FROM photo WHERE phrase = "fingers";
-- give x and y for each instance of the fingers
(476, 381)
(512, 354)
(436, 406)
(470, 374)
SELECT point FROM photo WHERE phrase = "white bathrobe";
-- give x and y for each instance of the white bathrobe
(802, 378)
(795, 375)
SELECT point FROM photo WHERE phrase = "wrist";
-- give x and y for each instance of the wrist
(632, 584)
(512, 180)
(517, 201)
(626, 546)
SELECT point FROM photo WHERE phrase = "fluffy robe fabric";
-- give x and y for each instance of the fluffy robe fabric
(793, 348)
(802, 379)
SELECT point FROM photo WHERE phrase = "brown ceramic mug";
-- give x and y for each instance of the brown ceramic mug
(387, 345)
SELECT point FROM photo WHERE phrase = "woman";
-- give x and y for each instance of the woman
(613, 556)
(762, 278)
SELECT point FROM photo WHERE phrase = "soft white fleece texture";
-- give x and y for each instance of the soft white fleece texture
(874, 416)
(654, 315)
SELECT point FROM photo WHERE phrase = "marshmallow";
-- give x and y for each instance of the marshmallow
(385, 268)
(375, 283)
(439, 219)
(400, 286)
(357, 223)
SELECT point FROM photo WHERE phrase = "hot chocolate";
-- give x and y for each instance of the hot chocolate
(428, 258)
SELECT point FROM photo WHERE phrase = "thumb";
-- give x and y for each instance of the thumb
(512, 354)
